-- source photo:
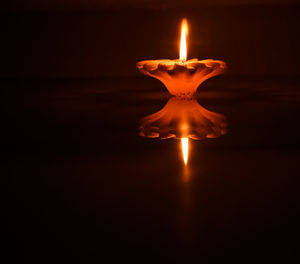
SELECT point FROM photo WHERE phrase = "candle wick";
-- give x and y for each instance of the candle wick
(182, 61)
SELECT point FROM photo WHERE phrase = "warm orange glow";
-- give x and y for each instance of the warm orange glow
(183, 119)
(183, 48)
(182, 76)
(185, 149)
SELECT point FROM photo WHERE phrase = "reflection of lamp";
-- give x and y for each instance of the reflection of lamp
(183, 119)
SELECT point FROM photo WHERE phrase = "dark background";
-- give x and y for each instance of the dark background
(78, 182)
(91, 43)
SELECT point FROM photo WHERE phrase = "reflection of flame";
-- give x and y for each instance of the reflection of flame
(184, 33)
(183, 119)
(185, 149)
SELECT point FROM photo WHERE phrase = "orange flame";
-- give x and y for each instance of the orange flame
(185, 149)
(184, 33)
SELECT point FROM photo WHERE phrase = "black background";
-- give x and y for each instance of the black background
(78, 182)
(91, 43)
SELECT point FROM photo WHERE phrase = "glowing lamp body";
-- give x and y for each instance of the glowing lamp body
(182, 78)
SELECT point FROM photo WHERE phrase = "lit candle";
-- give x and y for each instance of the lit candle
(181, 76)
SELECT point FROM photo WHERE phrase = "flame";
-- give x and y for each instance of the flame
(185, 149)
(184, 33)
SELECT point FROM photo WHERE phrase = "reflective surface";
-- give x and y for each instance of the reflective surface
(81, 184)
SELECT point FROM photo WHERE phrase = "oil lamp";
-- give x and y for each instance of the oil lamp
(182, 117)
(181, 76)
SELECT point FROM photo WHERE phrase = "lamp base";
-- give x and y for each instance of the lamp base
(182, 78)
